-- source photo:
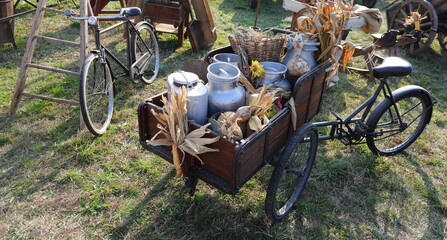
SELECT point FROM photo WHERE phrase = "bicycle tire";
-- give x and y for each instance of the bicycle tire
(369, 3)
(291, 172)
(96, 104)
(147, 44)
(415, 107)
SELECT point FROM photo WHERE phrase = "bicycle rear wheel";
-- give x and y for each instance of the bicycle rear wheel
(145, 52)
(291, 172)
(386, 136)
(369, 3)
(96, 94)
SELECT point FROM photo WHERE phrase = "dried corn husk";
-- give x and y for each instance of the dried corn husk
(348, 52)
(328, 19)
(262, 102)
(292, 106)
(173, 125)
(256, 124)
(230, 125)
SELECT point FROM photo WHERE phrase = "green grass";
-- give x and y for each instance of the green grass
(57, 181)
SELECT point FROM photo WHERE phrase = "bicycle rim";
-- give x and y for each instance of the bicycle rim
(96, 95)
(389, 138)
(290, 176)
(147, 43)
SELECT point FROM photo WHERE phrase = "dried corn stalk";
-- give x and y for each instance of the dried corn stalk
(173, 125)
(260, 104)
(327, 22)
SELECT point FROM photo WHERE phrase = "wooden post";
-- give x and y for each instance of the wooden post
(29, 51)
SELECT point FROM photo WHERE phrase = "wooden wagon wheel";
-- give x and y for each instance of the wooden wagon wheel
(428, 26)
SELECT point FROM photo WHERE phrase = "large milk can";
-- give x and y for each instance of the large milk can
(197, 94)
(224, 93)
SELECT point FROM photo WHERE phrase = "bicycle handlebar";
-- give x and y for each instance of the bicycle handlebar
(71, 15)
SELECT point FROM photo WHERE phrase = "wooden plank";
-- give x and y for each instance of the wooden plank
(76, 74)
(166, 28)
(252, 156)
(56, 11)
(202, 13)
(55, 40)
(59, 100)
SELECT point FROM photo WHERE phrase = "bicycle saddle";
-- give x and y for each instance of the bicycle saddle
(392, 67)
(130, 11)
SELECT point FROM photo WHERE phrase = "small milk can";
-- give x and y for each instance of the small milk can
(224, 93)
(197, 94)
(275, 73)
(227, 57)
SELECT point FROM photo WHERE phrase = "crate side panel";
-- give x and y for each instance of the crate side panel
(278, 133)
(252, 158)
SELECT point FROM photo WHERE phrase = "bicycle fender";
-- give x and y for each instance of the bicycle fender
(145, 22)
(94, 51)
(398, 92)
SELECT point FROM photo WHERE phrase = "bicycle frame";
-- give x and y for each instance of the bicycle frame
(354, 136)
(129, 28)
(102, 50)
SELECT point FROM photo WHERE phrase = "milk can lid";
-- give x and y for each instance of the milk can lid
(183, 78)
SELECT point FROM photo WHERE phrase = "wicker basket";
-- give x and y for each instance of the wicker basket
(259, 46)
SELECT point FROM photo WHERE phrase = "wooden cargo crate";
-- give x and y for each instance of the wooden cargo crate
(231, 167)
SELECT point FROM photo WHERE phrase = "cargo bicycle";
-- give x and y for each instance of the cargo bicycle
(387, 128)
(96, 86)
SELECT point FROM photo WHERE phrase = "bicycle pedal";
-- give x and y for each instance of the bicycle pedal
(345, 141)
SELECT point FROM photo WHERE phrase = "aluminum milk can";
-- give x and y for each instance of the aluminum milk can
(275, 73)
(197, 94)
(224, 93)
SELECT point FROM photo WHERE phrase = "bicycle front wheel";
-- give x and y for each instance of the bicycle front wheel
(386, 135)
(291, 172)
(145, 53)
(96, 94)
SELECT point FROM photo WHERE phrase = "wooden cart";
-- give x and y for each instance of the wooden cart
(234, 164)
(434, 23)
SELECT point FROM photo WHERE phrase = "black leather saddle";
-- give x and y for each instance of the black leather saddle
(131, 11)
(392, 67)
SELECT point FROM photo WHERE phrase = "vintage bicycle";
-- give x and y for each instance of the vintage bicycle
(96, 86)
(388, 128)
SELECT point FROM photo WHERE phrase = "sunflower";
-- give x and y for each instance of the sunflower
(256, 69)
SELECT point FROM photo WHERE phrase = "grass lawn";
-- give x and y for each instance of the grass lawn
(60, 182)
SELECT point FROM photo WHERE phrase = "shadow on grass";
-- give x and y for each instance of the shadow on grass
(14, 162)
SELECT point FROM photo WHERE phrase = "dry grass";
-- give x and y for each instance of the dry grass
(57, 182)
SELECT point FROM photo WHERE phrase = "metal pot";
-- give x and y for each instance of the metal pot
(197, 94)
(224, 93)
(275, 73)
(228, 58)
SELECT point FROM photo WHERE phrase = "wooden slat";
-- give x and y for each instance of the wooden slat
(29, 51)
(165, 28)
(57, 11)
(53, 69)
(75, 103)
(56, 40)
